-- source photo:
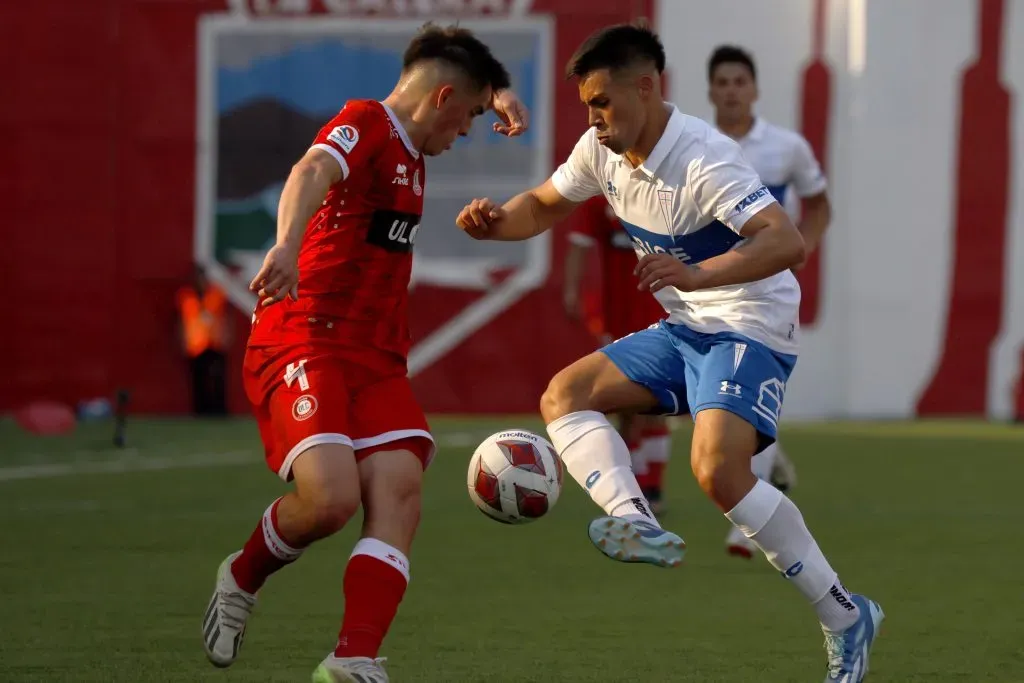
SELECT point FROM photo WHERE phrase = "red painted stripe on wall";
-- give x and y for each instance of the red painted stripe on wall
(960, 384)
(816, 105)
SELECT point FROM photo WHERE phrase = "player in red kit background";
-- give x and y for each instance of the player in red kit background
(325, 367)
(621, 310)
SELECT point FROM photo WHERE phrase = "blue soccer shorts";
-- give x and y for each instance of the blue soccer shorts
(723, 370)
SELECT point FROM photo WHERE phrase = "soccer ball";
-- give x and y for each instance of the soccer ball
(515, 476)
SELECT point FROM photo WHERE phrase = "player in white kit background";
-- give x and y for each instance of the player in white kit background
(787, 166)
(715, 248)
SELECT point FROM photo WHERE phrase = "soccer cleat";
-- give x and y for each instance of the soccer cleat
(848, 651)
(783, 474)
(739, 545)
(224, 622)
(350, 670)
(628, 540)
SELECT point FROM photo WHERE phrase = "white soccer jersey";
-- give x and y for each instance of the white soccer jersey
(784, 160)
(691, 198)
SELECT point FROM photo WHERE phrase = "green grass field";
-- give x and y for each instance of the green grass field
(108, 557)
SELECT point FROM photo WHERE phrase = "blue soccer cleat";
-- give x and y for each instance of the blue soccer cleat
(848, 651)
(629, 540)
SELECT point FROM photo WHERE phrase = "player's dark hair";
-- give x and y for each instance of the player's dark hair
(459, 48)
(730, 54)
(617, 47)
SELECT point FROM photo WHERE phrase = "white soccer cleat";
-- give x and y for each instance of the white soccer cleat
(736, 543)
(350, 670)
(224, 622)
(636, 541)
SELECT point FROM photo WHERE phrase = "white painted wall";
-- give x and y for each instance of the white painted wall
(894, 128)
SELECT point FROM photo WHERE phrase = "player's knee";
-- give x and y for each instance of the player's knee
(720, 454)
(327, 484)
(567, 392)
(710, 467)
(336, 511)
(330, 511)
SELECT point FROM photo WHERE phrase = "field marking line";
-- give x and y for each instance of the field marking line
(132, 460)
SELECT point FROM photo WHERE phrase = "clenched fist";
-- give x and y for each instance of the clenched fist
(477, 216)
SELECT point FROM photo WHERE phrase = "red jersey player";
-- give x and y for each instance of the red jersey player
(622, 310)
(325, 368)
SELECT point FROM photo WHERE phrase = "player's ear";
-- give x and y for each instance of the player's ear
(444, 93)
(645, 85)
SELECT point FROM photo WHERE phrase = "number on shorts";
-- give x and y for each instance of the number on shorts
(297, 372)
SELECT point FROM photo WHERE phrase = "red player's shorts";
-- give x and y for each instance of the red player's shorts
(308, 395)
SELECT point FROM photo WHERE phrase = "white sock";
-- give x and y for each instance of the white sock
(598, 459)
(774, 523)
(762, 463)
(657, 448)
(638, 456)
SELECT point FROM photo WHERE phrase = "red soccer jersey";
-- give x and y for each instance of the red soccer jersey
(356, 257)
(624, 309)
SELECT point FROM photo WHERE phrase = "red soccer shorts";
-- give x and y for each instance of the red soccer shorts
(304, 396)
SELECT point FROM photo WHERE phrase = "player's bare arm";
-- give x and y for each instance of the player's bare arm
(817, 214)
(524, 216)
(303, 193)
(772, 245)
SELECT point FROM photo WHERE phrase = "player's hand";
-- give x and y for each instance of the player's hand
(476, 218)
(515, 117)
(279, 276)
(657, 271)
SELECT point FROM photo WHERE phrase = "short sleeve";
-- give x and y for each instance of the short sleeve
(354, 137)
(576, 179)
(808, 180)
(724, 185)
(589, 223)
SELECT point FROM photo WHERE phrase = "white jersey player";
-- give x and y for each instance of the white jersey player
(788, 168)
(715, 248)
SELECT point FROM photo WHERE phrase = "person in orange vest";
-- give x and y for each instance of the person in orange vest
(204, 334)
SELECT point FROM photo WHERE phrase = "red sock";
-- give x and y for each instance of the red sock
(640, 468)
(657, 446)
(264, 553)
(655, 470)
(375, 582)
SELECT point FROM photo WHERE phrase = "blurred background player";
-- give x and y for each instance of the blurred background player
(205, 337)
(325, 367)
(620, 310)
(784, 160)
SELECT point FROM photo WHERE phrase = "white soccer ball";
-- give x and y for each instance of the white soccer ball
(515, 476)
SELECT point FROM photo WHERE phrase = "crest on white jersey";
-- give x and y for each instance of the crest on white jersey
(665, 199)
